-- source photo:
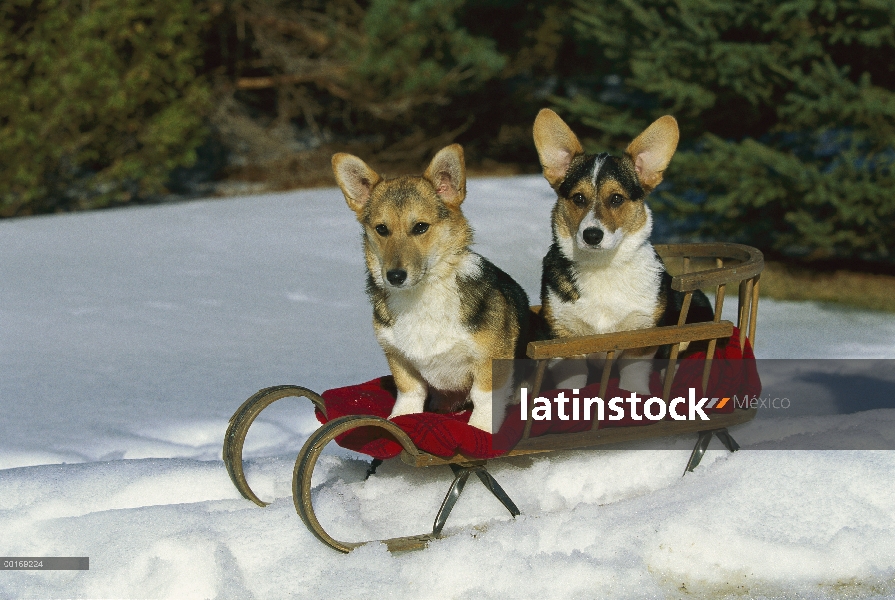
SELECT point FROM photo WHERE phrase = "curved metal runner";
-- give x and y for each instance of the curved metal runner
(302, 474)
(307, 459)
(243, 418)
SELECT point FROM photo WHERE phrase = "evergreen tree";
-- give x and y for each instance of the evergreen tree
(99, 100)
(384, 70)
(787, 114)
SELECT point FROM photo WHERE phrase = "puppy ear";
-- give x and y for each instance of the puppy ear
(356, 179)
(652, 151)
(447, 173)
(556, 145)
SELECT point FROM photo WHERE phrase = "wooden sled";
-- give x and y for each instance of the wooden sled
(698, 266)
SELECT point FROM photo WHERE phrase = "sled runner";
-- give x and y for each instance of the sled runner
(354, 416)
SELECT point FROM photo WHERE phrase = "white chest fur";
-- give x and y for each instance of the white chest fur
(616, 296)
(429, 333)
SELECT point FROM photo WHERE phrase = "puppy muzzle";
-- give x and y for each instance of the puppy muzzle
(592, 236)
(396, 277)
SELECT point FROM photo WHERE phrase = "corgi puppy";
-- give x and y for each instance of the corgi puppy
(440, 311)
(601, 274)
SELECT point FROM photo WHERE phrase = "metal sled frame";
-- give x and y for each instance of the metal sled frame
(732, 263)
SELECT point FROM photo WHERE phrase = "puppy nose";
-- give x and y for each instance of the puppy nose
(593, 236)
(396, 276)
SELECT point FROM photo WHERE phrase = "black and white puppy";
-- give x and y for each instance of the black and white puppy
(601, 274)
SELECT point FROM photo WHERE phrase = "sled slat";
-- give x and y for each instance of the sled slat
(640, 338)
(751, 263)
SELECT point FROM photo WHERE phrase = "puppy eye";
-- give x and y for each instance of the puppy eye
(616, 200)
(579, 199)
(420, 229)
(382, 230)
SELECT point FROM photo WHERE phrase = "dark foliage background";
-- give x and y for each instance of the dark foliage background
(99, 101)
(787, 113)
(787, 109)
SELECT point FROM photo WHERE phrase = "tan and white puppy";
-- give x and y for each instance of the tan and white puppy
(440, 311)
(601, 274)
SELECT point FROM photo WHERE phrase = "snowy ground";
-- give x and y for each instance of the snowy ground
(128, 338)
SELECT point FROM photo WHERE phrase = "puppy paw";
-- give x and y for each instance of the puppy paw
(408, 404)
(637, 385)
(484, 403)
(568, 374)
(641, 390)
(634, 376)
(481, 419)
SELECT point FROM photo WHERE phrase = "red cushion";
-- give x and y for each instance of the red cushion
(446, 435)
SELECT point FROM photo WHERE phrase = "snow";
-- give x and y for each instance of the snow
(129, 337)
